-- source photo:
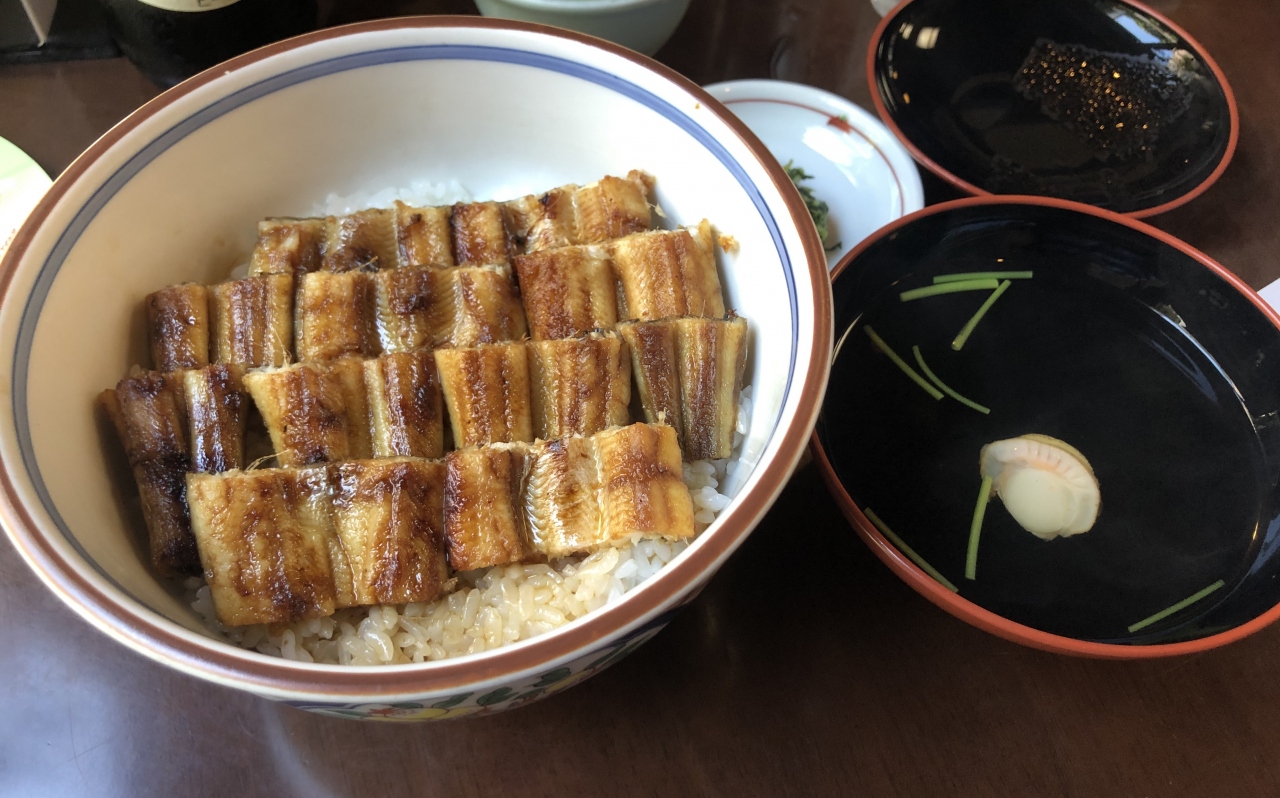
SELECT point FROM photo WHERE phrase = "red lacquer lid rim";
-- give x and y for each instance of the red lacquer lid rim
(223, 663)
(961, 607)
(963, 185)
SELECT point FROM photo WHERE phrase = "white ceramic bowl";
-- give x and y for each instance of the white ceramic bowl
(642, 25)
(174, 192)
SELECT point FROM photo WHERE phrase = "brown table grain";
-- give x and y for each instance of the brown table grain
(804, 668)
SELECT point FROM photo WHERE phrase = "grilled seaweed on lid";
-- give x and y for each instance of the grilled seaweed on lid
(579, 386)
(252, 321)
(486, 391)
(149, 415)
(178, 327)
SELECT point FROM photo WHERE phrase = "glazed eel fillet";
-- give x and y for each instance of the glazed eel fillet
(252, 321)
(486, 391)
(667, 273)
(424, 307)
(335, 316)
(258, 322)
(351, 408)
(178, 327)
(314, 413)
(651, 275)
(150, 417)
(579, 386)
(689, 372)
(286, 544)
(518, 502)
(465, 234)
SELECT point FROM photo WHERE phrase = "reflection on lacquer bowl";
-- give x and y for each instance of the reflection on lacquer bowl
(174, 193)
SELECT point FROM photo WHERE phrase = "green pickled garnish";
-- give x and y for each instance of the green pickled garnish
(818, 209)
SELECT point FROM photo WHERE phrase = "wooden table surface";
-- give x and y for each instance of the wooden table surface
(770, 683)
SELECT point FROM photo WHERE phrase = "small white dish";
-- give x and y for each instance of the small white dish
(859, 169)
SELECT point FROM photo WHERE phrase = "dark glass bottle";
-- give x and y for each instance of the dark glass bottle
(171, 40)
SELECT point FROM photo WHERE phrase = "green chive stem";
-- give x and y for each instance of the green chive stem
(968, 328)
(949, 391)
(975, 530)
(910, 552)
(900, 363)
(965, 276)
(1181, 605)
(947, 288)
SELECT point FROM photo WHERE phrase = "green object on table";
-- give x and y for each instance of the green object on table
(22, 184)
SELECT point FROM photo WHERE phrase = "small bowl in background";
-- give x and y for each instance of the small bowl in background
(642, 25)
